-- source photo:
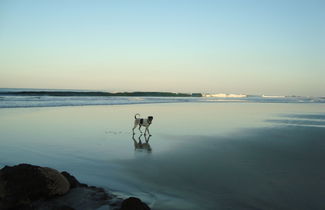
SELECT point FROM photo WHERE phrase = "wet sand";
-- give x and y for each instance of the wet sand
(207, 156)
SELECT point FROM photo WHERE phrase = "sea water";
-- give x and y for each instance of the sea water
(15, 98)
(201, 155)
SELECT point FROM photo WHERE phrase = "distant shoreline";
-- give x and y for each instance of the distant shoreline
(98, 93)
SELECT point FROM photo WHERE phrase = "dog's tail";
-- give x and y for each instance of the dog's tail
(135, 116)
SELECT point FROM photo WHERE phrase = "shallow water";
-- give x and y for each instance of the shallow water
(200, 155)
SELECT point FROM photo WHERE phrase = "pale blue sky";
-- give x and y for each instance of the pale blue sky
(274, 47)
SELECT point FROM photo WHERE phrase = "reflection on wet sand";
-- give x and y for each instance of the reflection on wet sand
(139, 146)
(311, 120)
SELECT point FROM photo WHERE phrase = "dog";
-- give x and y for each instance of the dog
(145, 122)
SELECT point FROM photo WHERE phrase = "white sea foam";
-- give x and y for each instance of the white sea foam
(223, 95)
(54, 101)
(265, 96)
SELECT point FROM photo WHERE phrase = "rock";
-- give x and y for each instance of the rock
(24, 183)
(72, 180)
(29, 187)
(62, 208)
(133, 203)
(57, 184)
(79, 198)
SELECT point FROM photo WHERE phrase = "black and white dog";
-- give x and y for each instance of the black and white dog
(145, 122)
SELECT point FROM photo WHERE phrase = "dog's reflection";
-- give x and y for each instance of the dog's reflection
(139, 145)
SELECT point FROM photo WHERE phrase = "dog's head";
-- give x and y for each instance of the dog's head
(150, 118)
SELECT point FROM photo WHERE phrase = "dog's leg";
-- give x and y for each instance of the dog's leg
(148, 131)
(135, 125)
(135, 142)
(147, 139)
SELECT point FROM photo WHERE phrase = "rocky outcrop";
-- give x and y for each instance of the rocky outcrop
(133, 203)
(72, 180)
(79, 198)
(29, 187)
(24, 183)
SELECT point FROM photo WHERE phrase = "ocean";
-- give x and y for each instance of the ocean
(14, 98)
(204, 153)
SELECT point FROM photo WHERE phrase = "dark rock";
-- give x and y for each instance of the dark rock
(24, 183)
(79, 198)
(63, 208)
(133, 203)
(29, 187)
(72, 180)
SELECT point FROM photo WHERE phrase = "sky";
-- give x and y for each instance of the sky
(273, 47)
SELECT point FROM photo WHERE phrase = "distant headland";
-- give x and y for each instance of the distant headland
(96, 93)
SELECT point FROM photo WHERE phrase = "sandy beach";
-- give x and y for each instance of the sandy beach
(200, 155)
